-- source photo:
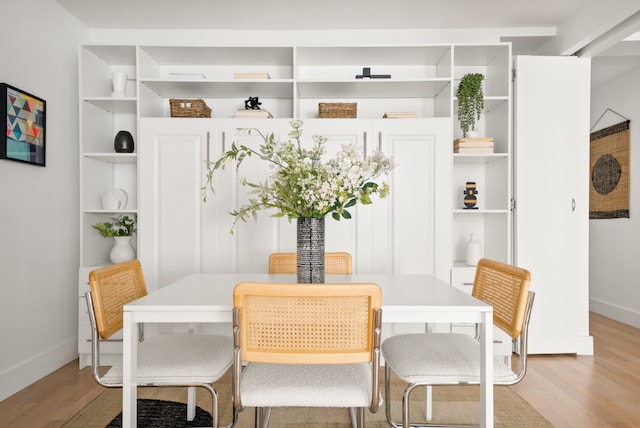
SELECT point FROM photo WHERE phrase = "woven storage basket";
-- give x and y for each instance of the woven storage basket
(189, 108)
(342, 110)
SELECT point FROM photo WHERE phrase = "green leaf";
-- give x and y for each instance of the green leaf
(350, 203)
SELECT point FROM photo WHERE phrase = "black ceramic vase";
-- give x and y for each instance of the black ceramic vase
(123, 143)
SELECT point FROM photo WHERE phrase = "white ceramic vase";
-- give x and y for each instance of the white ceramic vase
(473, 250)
(122, 250)
(119, 83)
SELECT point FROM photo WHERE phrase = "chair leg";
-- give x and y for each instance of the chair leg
(191, 403)
(428, 402)
(357, 417)
(262, 417)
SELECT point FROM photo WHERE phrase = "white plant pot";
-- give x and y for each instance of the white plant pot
(122, 250)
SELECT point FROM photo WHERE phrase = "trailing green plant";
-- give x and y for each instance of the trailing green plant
(470, 101)
(119, 226)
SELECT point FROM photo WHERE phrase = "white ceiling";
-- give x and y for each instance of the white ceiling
(318, 15)
(594, 28)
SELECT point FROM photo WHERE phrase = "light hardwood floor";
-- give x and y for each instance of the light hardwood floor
(602, 390)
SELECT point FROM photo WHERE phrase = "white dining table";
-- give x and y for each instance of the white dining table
(208, 298)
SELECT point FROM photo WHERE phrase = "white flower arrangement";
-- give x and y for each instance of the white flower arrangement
(300, 184)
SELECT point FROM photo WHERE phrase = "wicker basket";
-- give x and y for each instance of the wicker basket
(341, 110)
(189, 108)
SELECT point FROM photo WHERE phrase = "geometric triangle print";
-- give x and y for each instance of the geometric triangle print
(17, 132)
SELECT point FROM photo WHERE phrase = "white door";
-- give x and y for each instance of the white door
(416, 239)
(551, 155)
(171, 170)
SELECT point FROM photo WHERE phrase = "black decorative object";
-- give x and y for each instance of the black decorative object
(470, 193)
(252, 103)
(165, 414)
(123, 143)
(310, 250)
(366, 74)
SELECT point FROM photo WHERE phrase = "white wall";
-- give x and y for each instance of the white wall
(39, 206)
(614, 256)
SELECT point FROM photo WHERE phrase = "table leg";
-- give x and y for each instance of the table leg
(129, 371)
(486, 372)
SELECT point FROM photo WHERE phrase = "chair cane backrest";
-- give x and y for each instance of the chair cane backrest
(112, 287)
(334, 263)
(307, 324)
(506, 288)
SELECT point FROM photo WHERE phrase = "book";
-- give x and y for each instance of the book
(187, 76)
(399, 114)
(473, 140)
(477, 143)
(251, 76)
(473, 150)
(253, 113)
(480, 144)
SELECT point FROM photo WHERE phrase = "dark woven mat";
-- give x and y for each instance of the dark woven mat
(161, 414)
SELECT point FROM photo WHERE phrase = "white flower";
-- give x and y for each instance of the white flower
(300, 183)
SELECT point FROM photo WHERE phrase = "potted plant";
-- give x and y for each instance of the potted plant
(470, 101)
(121, 229)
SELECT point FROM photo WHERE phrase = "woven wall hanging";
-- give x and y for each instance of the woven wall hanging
(609, 172)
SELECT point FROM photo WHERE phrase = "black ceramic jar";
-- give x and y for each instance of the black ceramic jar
(123, 143)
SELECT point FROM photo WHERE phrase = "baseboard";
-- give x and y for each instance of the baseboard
(618, 313)
(34, 369)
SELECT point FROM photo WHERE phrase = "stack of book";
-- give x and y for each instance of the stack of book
(473, 145)
(400, 114)
(251, 76)
(253, 113)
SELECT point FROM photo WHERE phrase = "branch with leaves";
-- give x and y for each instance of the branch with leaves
(300, 182)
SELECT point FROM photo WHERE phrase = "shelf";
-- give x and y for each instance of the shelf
(478, 55)
(480, 211)
(221, 56)
(116, 158)
(490, 102)
(114, 54)
(113, 105)
(113, 212)
(372, 88)
(372, 56)
(268, 88)
(464, 158)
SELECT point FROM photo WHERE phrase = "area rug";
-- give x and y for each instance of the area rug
(455, 405)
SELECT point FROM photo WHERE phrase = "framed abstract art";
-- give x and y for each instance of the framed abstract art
(24, 139)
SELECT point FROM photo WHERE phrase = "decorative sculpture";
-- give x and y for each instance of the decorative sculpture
(252, 103)
(470, 193)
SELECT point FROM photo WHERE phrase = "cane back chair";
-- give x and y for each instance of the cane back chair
(427, 359)
(163, 360)
(306, 345)
(334, 263)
